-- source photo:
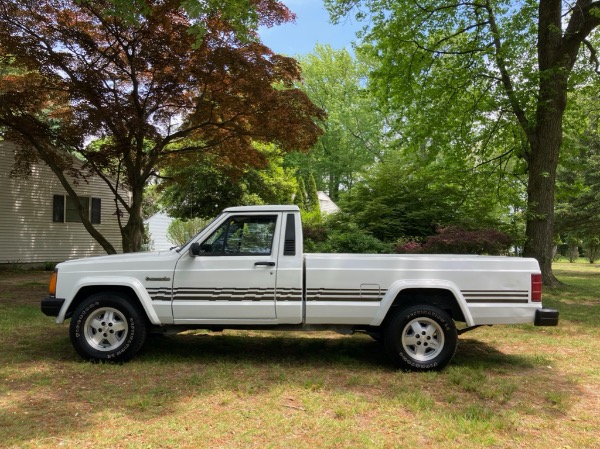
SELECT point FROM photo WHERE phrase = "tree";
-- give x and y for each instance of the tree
(503, 64)
(300, 198)
(148, 87)
(591, 246)
(312, 195)
(410, 197)
(203, 184)
(179, 231)
(578, 178)
(353, 133)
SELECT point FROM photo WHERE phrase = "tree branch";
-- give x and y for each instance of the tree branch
(593, 55)
(505, 75)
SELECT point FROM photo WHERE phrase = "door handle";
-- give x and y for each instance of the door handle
(264, 264)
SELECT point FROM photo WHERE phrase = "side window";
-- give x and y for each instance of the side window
(242, 236)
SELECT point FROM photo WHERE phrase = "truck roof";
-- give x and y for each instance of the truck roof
(269, 208)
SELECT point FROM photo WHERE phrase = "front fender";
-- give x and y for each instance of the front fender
(107, 282)
(397, 287)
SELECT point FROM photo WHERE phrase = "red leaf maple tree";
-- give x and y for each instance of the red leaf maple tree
(149, 89)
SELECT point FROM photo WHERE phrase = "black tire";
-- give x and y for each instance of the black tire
(420, 338)
(108, 326)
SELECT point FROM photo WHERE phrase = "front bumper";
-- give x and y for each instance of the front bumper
(546, 317)
(51, 306)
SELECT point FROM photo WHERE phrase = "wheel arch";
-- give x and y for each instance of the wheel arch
(442, 294)
(131, 288)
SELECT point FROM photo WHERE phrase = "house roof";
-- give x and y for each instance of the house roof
(326, 204)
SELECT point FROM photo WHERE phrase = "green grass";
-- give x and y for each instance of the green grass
(508, 386)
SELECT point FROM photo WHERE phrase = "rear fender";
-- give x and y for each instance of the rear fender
(397, 287)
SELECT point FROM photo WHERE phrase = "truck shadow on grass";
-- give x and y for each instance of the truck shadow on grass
(312, 351)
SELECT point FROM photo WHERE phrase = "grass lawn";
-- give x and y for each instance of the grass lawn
(507, 387)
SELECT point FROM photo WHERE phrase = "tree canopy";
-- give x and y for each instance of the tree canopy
(353, 135)
(149, 88)
(578, 179)
(488, 77)
(203, 184)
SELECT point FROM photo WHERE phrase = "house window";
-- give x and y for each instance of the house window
(64, 210)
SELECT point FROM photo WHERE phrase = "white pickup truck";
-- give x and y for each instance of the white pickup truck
(246, 270)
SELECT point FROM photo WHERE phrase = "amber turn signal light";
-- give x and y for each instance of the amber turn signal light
(52, 285)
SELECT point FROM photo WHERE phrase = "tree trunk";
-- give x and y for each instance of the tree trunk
(555, 64)
(540, 199)
(133, 232)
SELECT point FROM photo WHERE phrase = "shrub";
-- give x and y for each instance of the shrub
(338, 234)
(354, 241)
(454, 240)
(403, 246)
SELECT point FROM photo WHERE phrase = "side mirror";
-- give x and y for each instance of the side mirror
(195, 249)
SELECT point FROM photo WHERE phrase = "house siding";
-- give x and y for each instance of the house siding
(158, 224)
(27, 232)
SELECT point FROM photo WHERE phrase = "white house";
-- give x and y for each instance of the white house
(38, 223)
(157, 231)
(326, 205)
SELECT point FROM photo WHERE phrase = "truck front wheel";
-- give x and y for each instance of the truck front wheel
(107, 326)
(420, 338)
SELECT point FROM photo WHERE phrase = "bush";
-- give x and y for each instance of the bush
(404, 246)
(337, 234)
(453, 240)
(354, 241)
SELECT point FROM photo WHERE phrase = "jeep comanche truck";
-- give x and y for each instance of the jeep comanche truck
(246, 270)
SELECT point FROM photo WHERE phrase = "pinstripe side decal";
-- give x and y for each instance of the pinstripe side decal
(159, 293)
(502, 296)
(358, 295)
(318, 295)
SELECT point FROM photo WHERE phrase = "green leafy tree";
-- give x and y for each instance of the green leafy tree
(243, 16)
(578, 186)
(591, 246)
(408, 197)
(300, 197)
(203, 184)
(181, 231)
(338, 233)
(471, 69)
(353, 132)
(312, 195)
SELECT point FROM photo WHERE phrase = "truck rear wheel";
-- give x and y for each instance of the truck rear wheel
(107, 326)
(420, 338)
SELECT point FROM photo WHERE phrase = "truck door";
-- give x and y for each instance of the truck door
(233, 279)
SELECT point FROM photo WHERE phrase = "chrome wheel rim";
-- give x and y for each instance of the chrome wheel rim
(423, 339)
(106, 329)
